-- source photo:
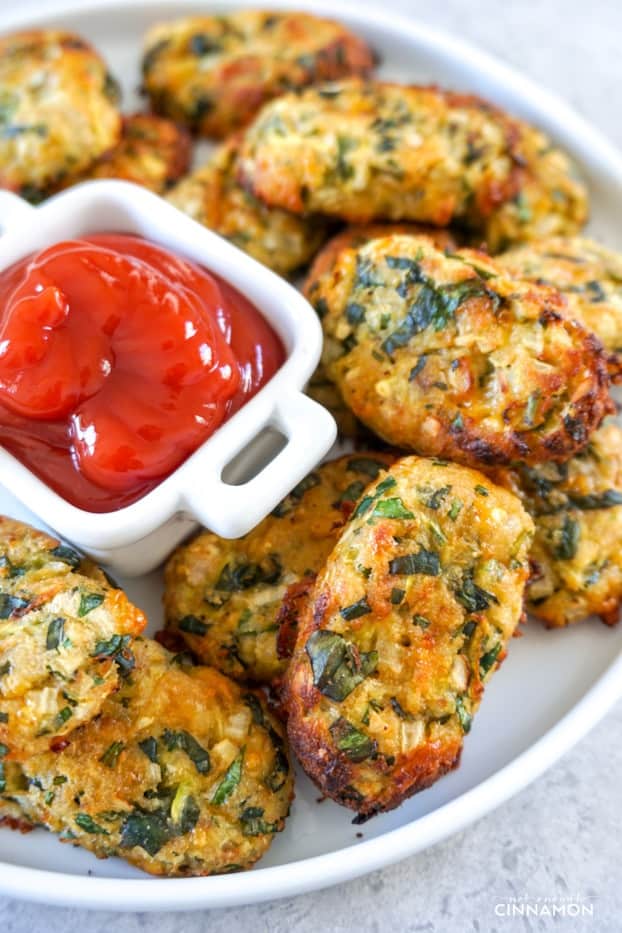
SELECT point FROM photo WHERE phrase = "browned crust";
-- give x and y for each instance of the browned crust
(333, 773)
(13, 822)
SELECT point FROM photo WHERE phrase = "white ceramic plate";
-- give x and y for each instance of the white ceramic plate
(553, 687)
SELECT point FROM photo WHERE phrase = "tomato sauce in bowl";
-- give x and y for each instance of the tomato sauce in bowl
(118, 359)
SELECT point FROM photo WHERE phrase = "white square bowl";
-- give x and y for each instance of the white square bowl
(138, 537)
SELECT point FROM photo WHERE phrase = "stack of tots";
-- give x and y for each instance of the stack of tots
(114, 743)
(472, 335)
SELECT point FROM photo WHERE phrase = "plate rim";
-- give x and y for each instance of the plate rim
(309, 874)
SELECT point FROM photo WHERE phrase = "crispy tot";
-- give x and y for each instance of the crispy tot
(212, 196)
(588, 275)
(576, 555)
(405, 624)
(58, 110)
(183, 773)
(224, 598)
(364, 150)
(449, 356)
(65, 639)
(152, 152)
(213, 73)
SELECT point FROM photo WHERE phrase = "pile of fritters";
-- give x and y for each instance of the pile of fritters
(114, 743)
(472, 335)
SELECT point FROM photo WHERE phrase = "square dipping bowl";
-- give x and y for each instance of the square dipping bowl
(239, 474)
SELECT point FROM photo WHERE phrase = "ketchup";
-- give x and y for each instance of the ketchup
(117, 360)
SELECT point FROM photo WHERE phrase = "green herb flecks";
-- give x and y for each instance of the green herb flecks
(67, 555)
(116, 647)
(355, 610)
(55, 634)
(111, 755)
(230, 780)
(182, 740)
(567, 539)
(472, 596)
(242, 576)
(464, 717)
(149, 830)
(338, 666)
(88, 824)
(253, 823)
(391, 508)
(149, 747)
(354, 744)
(192, 625)
(487, 660)
(88, 602)
(294, 497)
(423, 561)
(12, 606)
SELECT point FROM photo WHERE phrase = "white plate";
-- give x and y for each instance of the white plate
(553, 687)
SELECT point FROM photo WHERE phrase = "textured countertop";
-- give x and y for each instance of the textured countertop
(561, 838)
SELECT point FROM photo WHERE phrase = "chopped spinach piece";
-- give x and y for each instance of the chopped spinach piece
(253, 823)
(149, 747)
(352, 493)
(454, 511)
(338, 667)
(392, 508)
(488, 659)
(437, 498)
(203, 44)
(4, 717)
(356, 610)
(148, 829)
(472, 596)
(399, 710)
(355, 313)
(344, 168)
(55, 634)
(11, 606)
(111, 755)
(243, 576)
(290, 501)
(88, 602)
(230, 780)
(116, 647)
(198, 755)
(366, 274)
(417, 368)
(255, 707)
(481, 490)
(189, 816)
(602, 500)
(567, 542)
(67, 555)
(192, 625)
(397, 596)
(88, 824)
(421, 621)
(354, 744)
(63, 715)
(423, 561)
(277, 777)
(464, 717)
(366, 465)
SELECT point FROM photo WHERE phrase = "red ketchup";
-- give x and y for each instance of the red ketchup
(117, 360)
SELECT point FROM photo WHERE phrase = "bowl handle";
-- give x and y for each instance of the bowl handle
(232, 511)
(13, 210)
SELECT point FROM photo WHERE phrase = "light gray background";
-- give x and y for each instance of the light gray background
(563, 835)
